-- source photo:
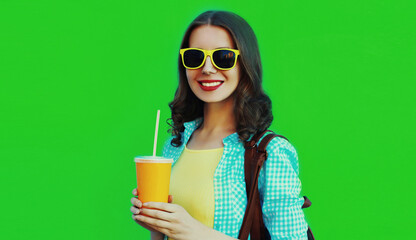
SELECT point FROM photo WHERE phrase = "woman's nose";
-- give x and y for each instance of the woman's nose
(208, 67)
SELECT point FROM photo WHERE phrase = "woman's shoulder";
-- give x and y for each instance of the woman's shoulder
(281, 151)
(280, 144)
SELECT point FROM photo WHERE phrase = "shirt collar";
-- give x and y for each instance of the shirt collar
(192, 125)
(232, 138)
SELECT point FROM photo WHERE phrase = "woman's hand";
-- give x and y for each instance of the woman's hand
(136, 210)
(171, 220)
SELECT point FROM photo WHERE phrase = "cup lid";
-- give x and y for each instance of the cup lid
(152, 159)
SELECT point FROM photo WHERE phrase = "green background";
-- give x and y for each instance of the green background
(80, 83)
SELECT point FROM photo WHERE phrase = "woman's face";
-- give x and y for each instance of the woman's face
(211, 37)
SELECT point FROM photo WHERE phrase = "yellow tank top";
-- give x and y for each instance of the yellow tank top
(192, 183)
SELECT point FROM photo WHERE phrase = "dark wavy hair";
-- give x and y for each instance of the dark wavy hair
(252, 107)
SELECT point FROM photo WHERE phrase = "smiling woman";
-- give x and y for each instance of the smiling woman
(218, 107)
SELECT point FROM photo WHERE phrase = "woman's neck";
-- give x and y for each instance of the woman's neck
(219, 117)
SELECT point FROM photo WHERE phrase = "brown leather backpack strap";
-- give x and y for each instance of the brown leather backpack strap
(249, 172)
(253, 218)
(250, 159)
(266, 140)
(258, 228)
(307, 203)
(253, 141)
(250, 167)
(252, 214)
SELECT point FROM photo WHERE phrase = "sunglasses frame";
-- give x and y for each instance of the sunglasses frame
(209, 53)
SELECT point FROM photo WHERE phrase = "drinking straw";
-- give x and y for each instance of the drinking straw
(156, 130)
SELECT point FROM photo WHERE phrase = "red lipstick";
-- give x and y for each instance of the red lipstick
(210, 85)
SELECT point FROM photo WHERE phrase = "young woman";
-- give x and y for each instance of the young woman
(219, 104)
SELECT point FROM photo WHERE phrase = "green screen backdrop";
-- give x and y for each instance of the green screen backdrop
(81, 81)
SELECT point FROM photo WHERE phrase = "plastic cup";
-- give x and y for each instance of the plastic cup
(153, 177)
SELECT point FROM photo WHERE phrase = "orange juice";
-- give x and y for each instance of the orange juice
(153, 177)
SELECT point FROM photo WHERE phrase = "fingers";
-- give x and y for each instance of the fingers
(136, 202)
(150, 227)
(153, 222)
(135, 210)
(155, 213)
(170, 199)
(167, 207)
(135, 192)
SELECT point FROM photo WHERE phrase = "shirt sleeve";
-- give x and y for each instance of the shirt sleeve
(279, 187)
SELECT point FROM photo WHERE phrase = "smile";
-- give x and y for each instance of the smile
(210, 85)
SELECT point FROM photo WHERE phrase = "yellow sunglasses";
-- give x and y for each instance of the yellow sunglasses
(221, 58)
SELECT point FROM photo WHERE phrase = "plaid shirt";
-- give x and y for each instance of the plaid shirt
(279, 186)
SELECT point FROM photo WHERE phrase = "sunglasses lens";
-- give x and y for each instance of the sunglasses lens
(224, 58)
(193, 58)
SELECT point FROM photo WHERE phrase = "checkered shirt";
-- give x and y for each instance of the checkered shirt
(279, 186)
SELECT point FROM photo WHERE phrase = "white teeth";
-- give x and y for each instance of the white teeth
(212, 84)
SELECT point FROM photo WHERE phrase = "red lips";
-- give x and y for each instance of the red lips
(210, 85)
